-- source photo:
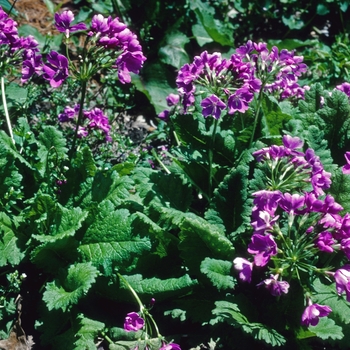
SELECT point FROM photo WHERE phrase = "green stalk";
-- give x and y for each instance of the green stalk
(80, 116)
(211, 146)
(256, 118)
(7, 116)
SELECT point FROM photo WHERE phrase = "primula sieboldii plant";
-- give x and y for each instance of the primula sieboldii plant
(109, 46)
(230, 84)
(295, 225)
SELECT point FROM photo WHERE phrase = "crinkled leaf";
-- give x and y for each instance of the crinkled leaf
(62, 294)
(340, 189)
(326, 328)
(87, 333)
(173, 52)
(7, 147)
(231, 200)
(109, 239)
(109, 185)
(159, 288)
(230, 313)
(327, 295)
(165, 190)
(176, 313)
(65, 223)
(212, 236)
(10, 252)
(219, 273)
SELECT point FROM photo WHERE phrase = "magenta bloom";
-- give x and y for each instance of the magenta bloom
(63, 21)
(129, 62)
(212, 105)
(275, 287)
(313, 312)
(170, 346)
(56, 70)
(325, 241)
(342, 281)
(245, 269)
(133, 322)
(263, 246)
(164, 115)
(172, 99)
(98, 121)
(239, 101)
(346, 168)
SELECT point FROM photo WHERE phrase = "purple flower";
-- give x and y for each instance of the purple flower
(133, 322)
(164, 115)
(63, 21)
(263, 246)
(170, 346)
(342, 281)
(346, 168)
(69, 113)
(129, 62)
(56, 70)
(172, 99)
(345, 87)
(245, 269)
(291, 202)
(98, 121)
(239, 101)
(212, 105)
(30, 66)
(313, 312)
(275, 287)
(324, 242)
(345, 247)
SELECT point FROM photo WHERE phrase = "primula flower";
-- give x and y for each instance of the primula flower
(263, 246)
(245, 269)
(239, 101)
(313, 312)
(324, 242)
(56, 70)
(164, 115)
(170, 346)
(346, 168)
(63, 21)
(342, 281)
(172, 99)
(212, 105)
(133, 322)
(98, 121)
(275, 287)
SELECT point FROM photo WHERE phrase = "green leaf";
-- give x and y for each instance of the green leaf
(161, 288)
(326, 328)
(109, 240)
(63, 293)
(340, 189)
(212, 236)
(231, 200)
(16, 93)
(10, 252)
(229, 312)
(87, 333)
(7, 6)
(327, 295)
(156, 83)
(274, 118)
(173, 52)
(220, 32)
(293, 22)
(219, 273)
(201, 35)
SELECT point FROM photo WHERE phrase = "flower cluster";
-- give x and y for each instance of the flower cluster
(294, 222)
(15, 50)
(112, 34)
(230, 84)
(94, 119)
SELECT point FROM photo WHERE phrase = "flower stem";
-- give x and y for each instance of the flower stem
(80, 116)
(7, 116)
(132, 292)
(211, 148)
(155, 155)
